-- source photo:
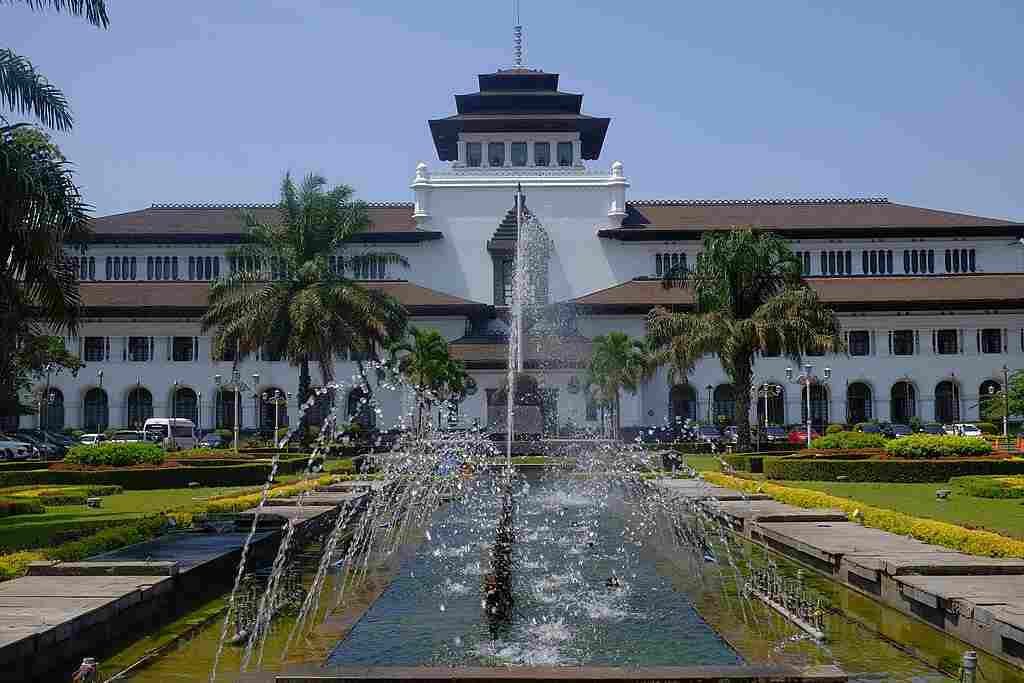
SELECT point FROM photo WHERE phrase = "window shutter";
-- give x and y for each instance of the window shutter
(890, 342)
(977, 341)
(917, 342)
(1006, 340)
(170, 346)
(935, 348)
(124, 350)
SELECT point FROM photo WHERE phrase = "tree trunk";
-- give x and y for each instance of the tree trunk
(618, 416)
(743, 375)
(304, 382)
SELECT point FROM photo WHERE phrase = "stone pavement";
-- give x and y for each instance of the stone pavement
(979, 600)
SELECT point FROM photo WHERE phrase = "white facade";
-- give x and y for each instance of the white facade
(574, 202)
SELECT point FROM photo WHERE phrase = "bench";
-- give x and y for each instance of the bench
(94, 502)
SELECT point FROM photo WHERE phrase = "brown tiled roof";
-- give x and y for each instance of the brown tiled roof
(539, 352)
(226, 219)
(141, 296)
(854, 292)
(794, 214)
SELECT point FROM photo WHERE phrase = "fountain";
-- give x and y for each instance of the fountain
(479, 564)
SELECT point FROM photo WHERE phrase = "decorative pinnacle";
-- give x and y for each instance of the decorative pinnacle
(517, 37)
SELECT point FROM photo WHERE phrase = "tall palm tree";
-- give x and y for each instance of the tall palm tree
(282, 294)
(41, 211)
(617, 363)
(424, 360)
(23, 89)
(749, 296)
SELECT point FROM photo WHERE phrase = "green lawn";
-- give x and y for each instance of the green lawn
(1001, 516)
(37, 531)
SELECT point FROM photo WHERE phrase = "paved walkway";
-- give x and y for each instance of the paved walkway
(979, 600)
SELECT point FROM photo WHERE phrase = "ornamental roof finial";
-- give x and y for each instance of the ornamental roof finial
(517, 37)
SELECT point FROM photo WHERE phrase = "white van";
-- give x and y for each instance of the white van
(164, 430)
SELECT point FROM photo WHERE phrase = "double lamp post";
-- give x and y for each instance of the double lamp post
(808, 379)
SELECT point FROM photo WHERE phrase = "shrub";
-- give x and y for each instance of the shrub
(971, 541)
(13, 565)
(251, 500)
(986, 427)
(905, 471)
(110, 538)
(163, 478)
(850, 440)
(934, 446)
(20, 506)
(225, 434)
(116, 454)
(833, 429)
(67, 495)
(990, 487)
(745, 463)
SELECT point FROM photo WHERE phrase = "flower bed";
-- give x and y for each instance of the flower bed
(20, 506)
(971, 541)
(66, 495)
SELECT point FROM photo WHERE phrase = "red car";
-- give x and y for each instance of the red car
(799, 435)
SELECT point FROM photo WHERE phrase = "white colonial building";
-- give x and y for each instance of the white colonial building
(932, 302)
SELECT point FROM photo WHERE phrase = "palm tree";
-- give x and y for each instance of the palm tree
(41, 211)
(24, 90)
(284, 296)
(617, 363)
(749, 296)
(426, 363)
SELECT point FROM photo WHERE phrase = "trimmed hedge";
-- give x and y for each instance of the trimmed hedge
(69, 495)
(971, 541)
(116, 454)
(935, 446)
(156, 478)
(745, 463)
(10, 507)
(990, 487)
(905, 471)
(850, 440)
(21, 465)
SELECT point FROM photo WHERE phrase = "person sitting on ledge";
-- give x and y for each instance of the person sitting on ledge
(613, 582)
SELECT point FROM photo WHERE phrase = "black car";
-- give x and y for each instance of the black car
(48, 449)
(871, 428)
(933, 428)
(213, 441)
(895, 431)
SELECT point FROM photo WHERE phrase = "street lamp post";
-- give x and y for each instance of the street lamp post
(199, 411)
(711, 414)
(236, 385)
(277, 399)
(256, 401)
(42, 422)
(1006, 402)
(767, 390)
(174, 401)
(808, 379)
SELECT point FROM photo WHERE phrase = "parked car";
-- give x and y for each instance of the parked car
(213, 441)
(933, 428)
(773, 433)
(966, 429)
(92, 439)
(871, 428)
(799, 435)
(895, 431)
(127, 436)
(49, 451)
(730, 435)
(12, 449)
(708, 434)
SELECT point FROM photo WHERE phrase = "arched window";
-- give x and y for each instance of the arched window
(858, 403)
(819, 405)
(902, 402)
(140, 407)
(947, 402)
(269, 404)
(725, 403)
(225, 408)
(776, 405)
(682, 402)
(359, 408)
(95, 410)
(53, 410)
(186, 405)
(988, 391)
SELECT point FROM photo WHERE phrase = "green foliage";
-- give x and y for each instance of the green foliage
(833, 429)
(65, 495)
(745, 463)
(849, 440)
(990, 487)
(916, 423)
(109, 539)
(986, 427)
(159, 478)
(312, 311)
(935, 446)
(994, 407)
(225, 434)
(116, 454)
(905, 471)
(617, 363)
(425, 362)
(749, 297)
(20, 506)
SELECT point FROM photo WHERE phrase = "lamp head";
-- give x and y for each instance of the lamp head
(217, 379)
(828, 373)
(789, 373)
(991, 389)
(808, 369)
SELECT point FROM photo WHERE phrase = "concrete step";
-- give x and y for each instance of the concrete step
(110, 568)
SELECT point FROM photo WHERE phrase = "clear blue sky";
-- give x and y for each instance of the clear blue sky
(212, 100)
